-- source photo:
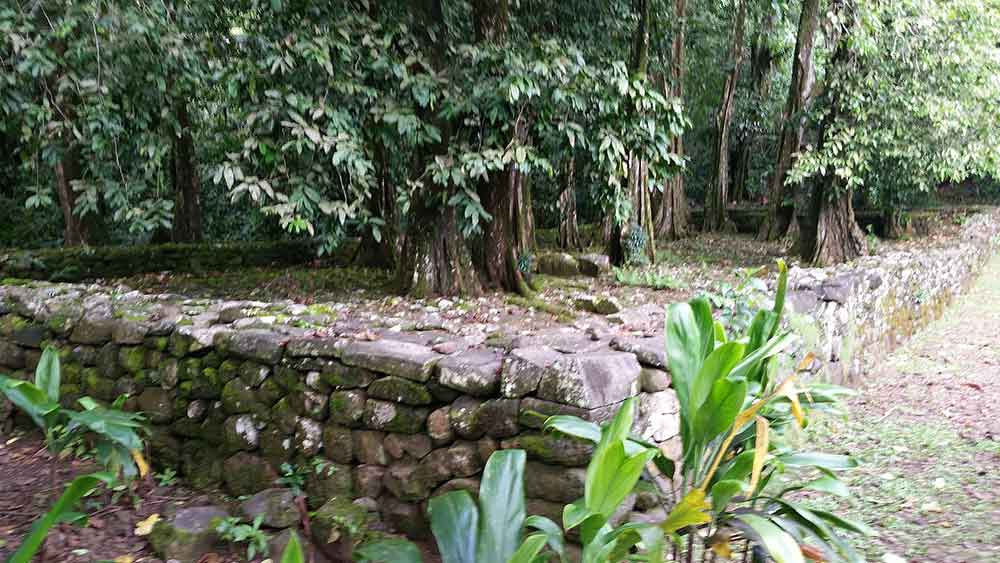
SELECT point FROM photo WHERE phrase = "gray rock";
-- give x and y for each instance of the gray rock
(465, 459)
(314, 347)
(394, 417)
(240, 433)
(338, 522)
(551, 448)
(553, 483)
(369, 447)
(368, 480)
(262, 345)
(276, 506)
(348, 407)
(341, 376)
(476, 372)
(439, 427)
(600, 305)
(156, 404)
(653, 380)
(524, 368)
(594, 264)
(390, 357)
(400, 390)
(413, 445)
(658, 417)
(11, 355)
(338, 444)
(498, 417)
(245, 474)
(187, 535)
(334, 481)
(558, 264)
(308, 437)
(651, 352)
(593, 380)
(464, 417)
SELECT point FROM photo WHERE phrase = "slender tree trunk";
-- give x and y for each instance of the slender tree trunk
(67, 170)
(435, 259)
(641, 215)
(716, 217)
(380, 252)
(781, 203)
(569, 231)
(671, 223)
(187, 208)
(761, 65)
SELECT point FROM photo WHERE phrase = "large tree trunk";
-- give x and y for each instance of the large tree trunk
(641, 216)
(505, 195)
(187, 208)
(716, 216)
(569, 231)
(832, 234)
(761, 65)
(781, 203)
(671, 223)
(435, 259)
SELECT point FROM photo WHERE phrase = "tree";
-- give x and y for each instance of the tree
(717, 198)
(671, 223)
(781, 202)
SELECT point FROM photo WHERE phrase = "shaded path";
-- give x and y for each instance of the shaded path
(926, 428)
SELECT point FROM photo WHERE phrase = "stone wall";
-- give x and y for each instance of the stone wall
(233, 390)
(853, 314)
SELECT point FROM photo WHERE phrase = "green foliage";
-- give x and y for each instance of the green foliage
(652, 278)
(167, 477)
(115, 434)
(77, 489)
(234, 530)
(737, 304)
(293, 551)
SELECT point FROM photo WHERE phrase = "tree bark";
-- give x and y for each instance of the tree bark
(435, 259)
(187, 207)
(832, 234)
(76, 231)
(381, 253)
(641, 214)
(716, 216)
(781, 204)
(761, 65)
(671, 223)
(569, 231)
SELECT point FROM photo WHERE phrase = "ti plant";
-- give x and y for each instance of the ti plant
(731, 405)
(115, 434)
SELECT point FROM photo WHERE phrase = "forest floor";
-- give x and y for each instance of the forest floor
(926, 429)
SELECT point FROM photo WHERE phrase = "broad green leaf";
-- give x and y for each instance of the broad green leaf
(772, 347)
(455, 523)
(575, 513)
(590, 431)
(77, 489)
(690, 511)
(552, 531)
(832, 462)
(529, 548)
(845, 523)
(824, 484)
(723, 492)
(779, 545)
(501, 506)
(717, 366)
(47, 374)
(720, 410)
(389, 551)
(30, 399)
(293, 551)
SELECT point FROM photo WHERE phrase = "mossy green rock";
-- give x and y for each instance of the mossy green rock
(275, 507)
(400, 390)
(341, 376)
(98, 387)
(339, 521)
(237, 398)
(156, 404)
(348, 407)
(334, 481)
(187, 535)
(132, 358)
(394, 417)
(246, 474)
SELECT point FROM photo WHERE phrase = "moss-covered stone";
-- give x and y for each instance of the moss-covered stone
(400, 390)
(71, 372)
(275, 445)
(98, 387)
(333, 481)
(237, 398)
(347, 408)
(283, 416)
(246, 474)
(158, 343)
(340, 376)
(132, 358)
(339, 522)
(228, 370)
(394, 417)
(188, 535)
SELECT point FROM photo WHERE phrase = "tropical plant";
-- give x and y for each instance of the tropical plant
(236, 531)
(644, 277)
(730, 406)
(293, 551)
(115, 434)
(77, 489)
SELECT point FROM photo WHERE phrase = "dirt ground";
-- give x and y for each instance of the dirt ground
(926, 429)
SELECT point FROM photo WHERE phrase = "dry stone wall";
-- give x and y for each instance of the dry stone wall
(853, 314)
(234, 390)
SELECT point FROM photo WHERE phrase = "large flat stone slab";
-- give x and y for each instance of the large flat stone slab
(476, 372)
(391, 357)
(592, 380)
